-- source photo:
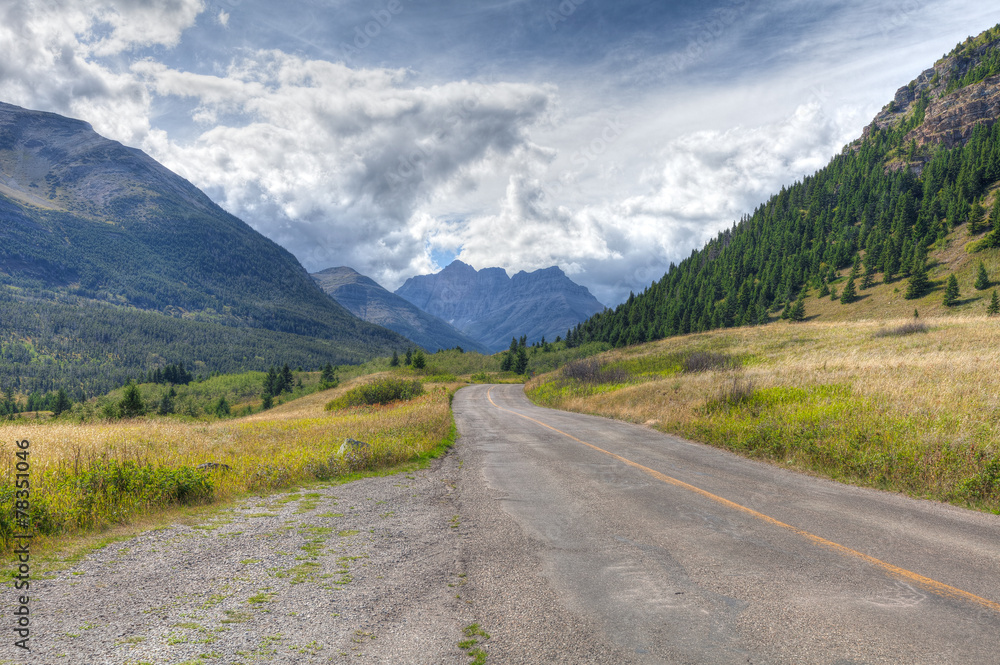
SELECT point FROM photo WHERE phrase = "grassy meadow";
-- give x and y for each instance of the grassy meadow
(89, 476)
(911, 405)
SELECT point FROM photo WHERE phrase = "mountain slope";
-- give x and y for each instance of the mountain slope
(491, 307)
(913, 198)
(86, 222)
(367, 300)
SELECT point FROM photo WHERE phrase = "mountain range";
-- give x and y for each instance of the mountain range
(110, 264)
(366, 299)
(492, 308)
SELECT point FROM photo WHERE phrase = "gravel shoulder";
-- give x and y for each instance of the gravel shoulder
(366, 572)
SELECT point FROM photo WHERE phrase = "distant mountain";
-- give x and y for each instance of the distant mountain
(491, 308)
(911, 204)
(108, 260)
(366, 299)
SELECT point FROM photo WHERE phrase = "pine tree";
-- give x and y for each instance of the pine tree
(918, 282)
(62, 403)
(395, 360)
(798, 312)
(824, 290)
(521, 361)
(267, 401)
(287, 380)
(221, 407)
(976, 219)
(869, 279)
(994, 307)
(850, 293)
(951, 291)
(786, 311)
(271, 382)
(982, 278)
(419, 362)
(833, 293)
(408, 360)
(166, 405)
(328, 378)
(131, 404)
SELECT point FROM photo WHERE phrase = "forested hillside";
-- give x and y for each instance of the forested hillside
(919, 181)
(111, 265)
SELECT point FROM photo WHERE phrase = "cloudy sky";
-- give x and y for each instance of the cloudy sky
(609, 137)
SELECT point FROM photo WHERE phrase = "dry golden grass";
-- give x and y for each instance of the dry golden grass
(291, 443)
(917, 412)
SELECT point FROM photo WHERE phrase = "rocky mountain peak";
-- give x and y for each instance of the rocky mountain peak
(491, 307)
(947, 101)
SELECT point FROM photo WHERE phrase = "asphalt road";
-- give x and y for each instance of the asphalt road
(591, 541)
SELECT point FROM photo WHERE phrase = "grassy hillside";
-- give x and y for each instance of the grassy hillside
(895, 404)
(92, 476)
(882, 301)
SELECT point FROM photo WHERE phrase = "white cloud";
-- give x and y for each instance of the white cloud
(52, 54)
(697, 185)
(335, 163)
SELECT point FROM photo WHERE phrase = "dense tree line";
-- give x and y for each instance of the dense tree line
(89, 349)
(866, 210)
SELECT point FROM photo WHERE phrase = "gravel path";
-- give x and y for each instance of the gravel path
(367, 572)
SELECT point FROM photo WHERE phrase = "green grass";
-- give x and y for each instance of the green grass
(852, 401)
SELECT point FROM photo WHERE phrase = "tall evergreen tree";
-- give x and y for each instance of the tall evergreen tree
(951, 291)
(328, 377)
(419, 361)
(850, 293)
(521, 361)
(408, 360)
(798, 312)
(131, 404)
(994, 307)
(982, 278)
(976, 214)
(395, 360)
(166, 405)
(271, 382)
(919, 283)
(61, 403)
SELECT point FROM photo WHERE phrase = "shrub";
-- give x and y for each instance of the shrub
(380, 391)
(590, 371)
(905, 329)
(704, 361)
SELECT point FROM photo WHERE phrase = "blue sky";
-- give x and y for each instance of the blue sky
(607, 137)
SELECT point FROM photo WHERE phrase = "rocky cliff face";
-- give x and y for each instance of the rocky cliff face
(366, 299)
(491, 308)
(961, 91)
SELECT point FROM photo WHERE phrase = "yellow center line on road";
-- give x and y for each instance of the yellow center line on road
(938, 588)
